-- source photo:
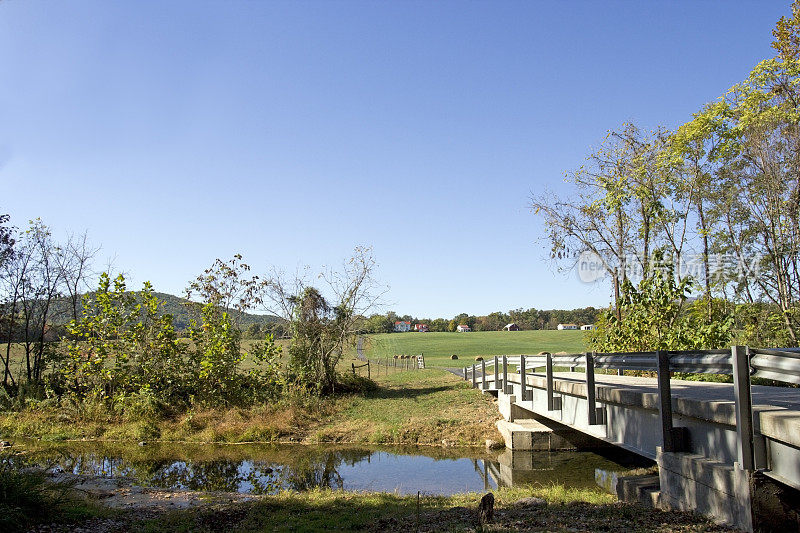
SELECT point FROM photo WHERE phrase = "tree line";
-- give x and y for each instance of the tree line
(526, 319)
(122, 349)
(710, 208)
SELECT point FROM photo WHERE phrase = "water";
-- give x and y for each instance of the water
(268, 469)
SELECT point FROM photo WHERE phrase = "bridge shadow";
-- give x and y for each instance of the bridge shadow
(398, 393)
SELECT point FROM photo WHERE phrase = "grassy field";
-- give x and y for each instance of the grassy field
(438, 347)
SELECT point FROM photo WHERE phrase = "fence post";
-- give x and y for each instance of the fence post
(483, 374)
(496, 373)
(505, 375)
(474, 378)
(549, 378)
(590, 390)
(368, 373)
(522, 379)
(665, 401)
(354, 368)
(740, 356)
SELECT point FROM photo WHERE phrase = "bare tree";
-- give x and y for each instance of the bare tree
(75, 263)
(323, 328)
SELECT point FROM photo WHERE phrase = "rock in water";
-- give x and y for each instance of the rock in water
(486, 509)
(493, 444)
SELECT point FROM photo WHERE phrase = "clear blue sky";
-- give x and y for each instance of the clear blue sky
(178, 132)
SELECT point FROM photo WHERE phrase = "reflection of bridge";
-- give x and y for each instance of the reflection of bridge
(526, 467)
(731, 451)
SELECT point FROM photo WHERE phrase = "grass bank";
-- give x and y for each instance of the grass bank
(428, 407)
(324, 510)
(438, 347)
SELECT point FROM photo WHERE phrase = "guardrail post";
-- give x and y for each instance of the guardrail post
(483, 374)
(668, 433)
(505, 375)
(590, 391)
(496, 374)
(523, 381)
(740, 357)
(549, 376)
(474, 377)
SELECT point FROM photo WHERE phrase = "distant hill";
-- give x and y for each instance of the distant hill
(61, 313)
(176, 306)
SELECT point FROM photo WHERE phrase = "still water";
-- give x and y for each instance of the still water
(267, 469)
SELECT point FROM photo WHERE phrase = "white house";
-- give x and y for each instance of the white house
(567, 326)
(462, 328)
(588, 327)
(402, 326)
(511, 327)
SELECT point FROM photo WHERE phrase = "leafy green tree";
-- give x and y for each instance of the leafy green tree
(226, 290)
(122, 345)
(101, 348)
(655, 316)
(253, 331)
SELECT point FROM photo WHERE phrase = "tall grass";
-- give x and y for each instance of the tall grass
(28, 497)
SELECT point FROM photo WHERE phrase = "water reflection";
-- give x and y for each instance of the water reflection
(271, 469)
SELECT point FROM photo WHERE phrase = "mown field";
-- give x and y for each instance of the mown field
(438, 347)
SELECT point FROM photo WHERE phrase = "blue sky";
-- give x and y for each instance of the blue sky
(179, 132)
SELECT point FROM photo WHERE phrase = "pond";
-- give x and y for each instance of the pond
(268, 469)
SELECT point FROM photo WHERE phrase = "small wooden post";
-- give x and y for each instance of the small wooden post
(549, 377)
(665, 401)
(474, 377)
(590, 391)
(522, 380)
(354, 368)
(740, 357)
(483, 374)
(505, 375)
(368, 373)
(496, 370)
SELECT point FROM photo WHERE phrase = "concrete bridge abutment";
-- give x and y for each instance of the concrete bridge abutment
(696, 432)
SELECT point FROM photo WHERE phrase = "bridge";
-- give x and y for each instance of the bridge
(727, 450)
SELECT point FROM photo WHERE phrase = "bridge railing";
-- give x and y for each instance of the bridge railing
(740, 362)
(780, 365)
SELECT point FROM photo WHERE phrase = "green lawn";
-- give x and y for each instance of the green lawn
(438, 347)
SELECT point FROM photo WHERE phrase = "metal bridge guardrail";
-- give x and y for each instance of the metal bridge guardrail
(780, 365)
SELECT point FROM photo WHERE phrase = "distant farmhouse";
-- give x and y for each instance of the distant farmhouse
(588, 327)
(511, 327)
(402, 326)
(462, 328)
(567, 326)
(422, 328)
